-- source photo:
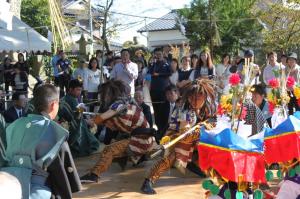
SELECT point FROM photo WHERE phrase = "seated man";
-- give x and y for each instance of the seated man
(139, 98)
(258, 98)
(115, 100)
(82, 142)
(34, 151)
(167, 109)
(17, 109)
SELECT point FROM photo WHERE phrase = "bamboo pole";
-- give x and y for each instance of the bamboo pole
(58, 26)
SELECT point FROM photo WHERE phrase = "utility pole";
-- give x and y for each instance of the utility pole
(91, 28)
(211, 28)
(103, 37)
(147, 30)
(105, 45)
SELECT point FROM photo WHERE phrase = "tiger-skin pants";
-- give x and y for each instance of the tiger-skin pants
(167, 162)
(161, 166)
(110, 152)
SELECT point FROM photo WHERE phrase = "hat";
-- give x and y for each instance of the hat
(248, 53)
(240, 54)
(292, 55)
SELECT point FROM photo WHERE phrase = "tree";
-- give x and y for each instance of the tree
(281, 26)
(225, 26)
(36, 14)
(133, 46)
(105, 31)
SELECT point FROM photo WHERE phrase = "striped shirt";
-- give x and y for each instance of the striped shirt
(134, 118)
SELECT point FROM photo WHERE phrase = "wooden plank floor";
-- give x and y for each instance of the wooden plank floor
(117, 184)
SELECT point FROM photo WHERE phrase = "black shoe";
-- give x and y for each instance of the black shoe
(195, 169)
(89, 178)
(141, 160)
(122, 162)
(147, 187)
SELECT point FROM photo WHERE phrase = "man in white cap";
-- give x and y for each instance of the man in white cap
(293, 70)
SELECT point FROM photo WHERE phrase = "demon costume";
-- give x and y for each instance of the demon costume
(199, 103)
(131, 122)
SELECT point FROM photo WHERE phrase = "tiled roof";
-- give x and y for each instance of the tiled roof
(166, 22)
(68, 2)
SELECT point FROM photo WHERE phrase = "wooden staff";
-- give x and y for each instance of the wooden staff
(177, 139)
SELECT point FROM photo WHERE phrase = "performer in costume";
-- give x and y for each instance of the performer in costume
(199, 104)
(114, 97)
(82, 142)
(34, 151)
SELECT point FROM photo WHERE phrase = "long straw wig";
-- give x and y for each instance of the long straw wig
(111, 91)
(205, 89)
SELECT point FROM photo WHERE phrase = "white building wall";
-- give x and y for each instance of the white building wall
(5, 15)
(15, 7)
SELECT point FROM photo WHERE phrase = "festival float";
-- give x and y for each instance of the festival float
(238, 153)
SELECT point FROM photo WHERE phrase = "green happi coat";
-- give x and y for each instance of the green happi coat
(33, 142)
(82, 142)
(30, 107)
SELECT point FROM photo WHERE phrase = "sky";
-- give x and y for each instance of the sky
(149, 8)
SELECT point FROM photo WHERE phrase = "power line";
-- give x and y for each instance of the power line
(137, 16)
(130, 26)
(188, 20)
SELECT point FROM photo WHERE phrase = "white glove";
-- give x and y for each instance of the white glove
(81, 106)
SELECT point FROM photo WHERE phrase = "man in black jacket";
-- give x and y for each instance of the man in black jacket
(167, 108)
(160, 72)
(17, 109)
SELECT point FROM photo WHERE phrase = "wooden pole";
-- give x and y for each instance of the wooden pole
(211, 28)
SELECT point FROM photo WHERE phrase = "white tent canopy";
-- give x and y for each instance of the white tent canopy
(15, 35)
